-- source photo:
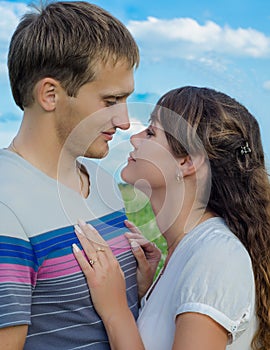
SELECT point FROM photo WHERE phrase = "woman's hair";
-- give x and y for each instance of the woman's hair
(240, 188)
(66, 41)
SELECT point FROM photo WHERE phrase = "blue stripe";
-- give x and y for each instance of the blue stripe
(16, 247)
(46, 236)
(14, 241)
(110, 219)
(18, 251)
(111, 222)
(57, 242)
(19, 261)
(54, 241)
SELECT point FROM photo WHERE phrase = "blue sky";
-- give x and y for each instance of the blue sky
(215, 43)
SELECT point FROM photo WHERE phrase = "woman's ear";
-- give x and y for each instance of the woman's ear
(46, 93)
(189, 165)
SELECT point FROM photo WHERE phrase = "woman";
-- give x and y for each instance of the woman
(203, 159)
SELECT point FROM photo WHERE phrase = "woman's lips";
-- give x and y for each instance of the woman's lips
(131, 158)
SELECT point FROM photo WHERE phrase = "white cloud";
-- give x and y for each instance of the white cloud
(186, 38)
(266, 85)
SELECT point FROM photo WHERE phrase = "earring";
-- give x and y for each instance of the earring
(179, 178)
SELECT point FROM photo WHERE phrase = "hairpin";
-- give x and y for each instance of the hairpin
(245, 149)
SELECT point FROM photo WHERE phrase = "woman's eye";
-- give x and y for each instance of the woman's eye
(149, 132)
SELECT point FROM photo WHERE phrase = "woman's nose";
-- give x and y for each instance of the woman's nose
(135, 139)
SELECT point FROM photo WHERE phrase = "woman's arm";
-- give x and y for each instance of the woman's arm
(196, 331)
(13, 338)
(108, 290)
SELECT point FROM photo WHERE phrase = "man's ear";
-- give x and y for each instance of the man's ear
(190, 165)
(46, 93)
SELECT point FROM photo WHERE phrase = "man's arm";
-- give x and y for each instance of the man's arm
(15, 287)
(13, 338)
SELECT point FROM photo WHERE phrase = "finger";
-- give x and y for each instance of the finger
(139, 254)
(95, 249)
(84, 264)
(141, 240)
(88, 248)
(87, 244)
(138, 237)
(132, 227)
(91, 233)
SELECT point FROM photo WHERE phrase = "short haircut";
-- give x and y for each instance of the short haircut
(65, 41)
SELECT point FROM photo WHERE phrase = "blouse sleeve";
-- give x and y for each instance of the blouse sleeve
(218, 281)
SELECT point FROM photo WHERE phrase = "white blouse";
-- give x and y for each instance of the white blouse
(210, 272)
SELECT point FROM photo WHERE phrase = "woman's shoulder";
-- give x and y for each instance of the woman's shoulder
(212, 252)
(214, 238)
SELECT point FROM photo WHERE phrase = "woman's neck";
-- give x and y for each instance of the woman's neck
(176, 216)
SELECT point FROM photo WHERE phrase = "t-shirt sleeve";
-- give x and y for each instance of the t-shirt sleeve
(17, 271)
(218, 282)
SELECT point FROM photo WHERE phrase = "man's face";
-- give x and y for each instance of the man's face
(85, 123)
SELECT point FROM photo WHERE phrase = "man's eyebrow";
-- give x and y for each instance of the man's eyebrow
(117, 95)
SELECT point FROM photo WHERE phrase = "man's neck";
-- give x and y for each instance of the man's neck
(47, 155)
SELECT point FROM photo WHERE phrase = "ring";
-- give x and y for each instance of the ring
(92, 261)
(100, 250)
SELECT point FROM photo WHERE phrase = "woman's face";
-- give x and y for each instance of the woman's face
(151, 163)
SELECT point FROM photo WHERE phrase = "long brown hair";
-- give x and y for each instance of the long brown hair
(240, 189)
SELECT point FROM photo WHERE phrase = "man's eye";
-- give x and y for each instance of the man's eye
(110, 103)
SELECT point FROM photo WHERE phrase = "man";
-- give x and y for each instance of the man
(67, 63)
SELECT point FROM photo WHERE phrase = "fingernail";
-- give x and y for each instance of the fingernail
(81, 222)
(134, 245)
(92, 227)
(75, 248)
(128, 233)
(78, 229)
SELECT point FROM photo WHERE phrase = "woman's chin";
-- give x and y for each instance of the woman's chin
(127, 175)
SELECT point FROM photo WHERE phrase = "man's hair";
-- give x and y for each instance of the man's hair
(65, 41)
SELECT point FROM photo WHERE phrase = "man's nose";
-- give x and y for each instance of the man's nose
(120, 118)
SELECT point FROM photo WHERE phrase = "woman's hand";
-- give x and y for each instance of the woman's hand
(147, 255)
(107, 286)
(103, 273)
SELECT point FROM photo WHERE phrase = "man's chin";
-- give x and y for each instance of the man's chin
(96, 155)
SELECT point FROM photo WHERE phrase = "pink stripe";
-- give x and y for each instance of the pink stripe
(67, 265)
(57, 267)
(17, 273)
(117, 251)
(48, 273)
(119, 245)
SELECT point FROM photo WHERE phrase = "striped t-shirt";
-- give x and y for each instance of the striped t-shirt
(41, 283)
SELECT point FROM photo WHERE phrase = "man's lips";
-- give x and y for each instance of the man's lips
(108, 135)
